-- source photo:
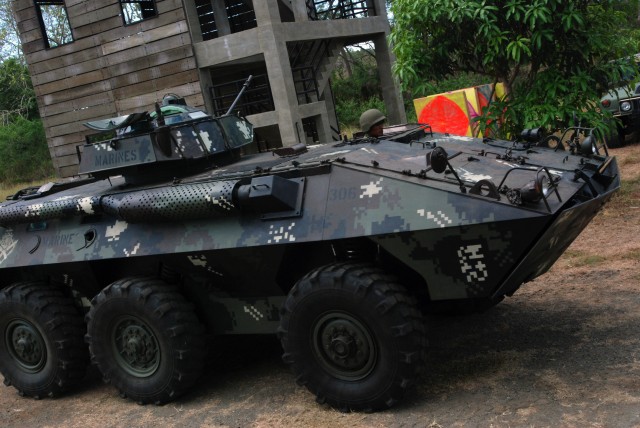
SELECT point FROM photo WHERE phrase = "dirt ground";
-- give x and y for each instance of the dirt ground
(563, 351)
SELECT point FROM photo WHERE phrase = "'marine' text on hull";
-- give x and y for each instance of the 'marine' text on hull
(114, 158)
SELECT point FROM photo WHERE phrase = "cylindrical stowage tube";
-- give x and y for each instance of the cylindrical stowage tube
(178, 202)
(181, 202)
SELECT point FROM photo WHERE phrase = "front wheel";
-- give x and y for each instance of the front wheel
(353, 336)
(42, 351)
(614, 140)
(145, 339)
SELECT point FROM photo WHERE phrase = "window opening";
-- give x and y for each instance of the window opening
(339, 9)
(137, 10)
(241, 15)
(54, 23)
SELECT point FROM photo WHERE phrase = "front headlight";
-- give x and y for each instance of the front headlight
(625, 106)
(533, 191)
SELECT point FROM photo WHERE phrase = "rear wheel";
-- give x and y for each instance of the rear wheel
(42, 352)
(353, 336)
(145, 339)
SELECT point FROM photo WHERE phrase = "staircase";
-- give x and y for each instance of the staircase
(312, 62)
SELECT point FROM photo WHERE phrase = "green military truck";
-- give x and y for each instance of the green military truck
(624, 103)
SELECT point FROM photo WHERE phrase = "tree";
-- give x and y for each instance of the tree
(356, 84)
(24, 155)
(554, 57)
(17, 98)
(9, 36)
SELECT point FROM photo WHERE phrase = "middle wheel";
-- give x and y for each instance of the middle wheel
(353, 336)
(146, 339)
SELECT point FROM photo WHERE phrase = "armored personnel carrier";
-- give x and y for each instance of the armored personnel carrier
(173, 237)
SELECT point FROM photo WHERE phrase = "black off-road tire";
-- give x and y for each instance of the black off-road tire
(42, 353)
(614, 139)
(146, 340)
(353, 336)
(631, 136)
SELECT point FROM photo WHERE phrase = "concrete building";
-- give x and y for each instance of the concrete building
(93, 60)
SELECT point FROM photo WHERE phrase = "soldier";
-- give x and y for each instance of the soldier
(371, 122)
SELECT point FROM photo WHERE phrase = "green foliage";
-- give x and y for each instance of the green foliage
(9, 36)
(349, 110)
(553, 56)
(17, 98)
(24, 154)
(356, 85)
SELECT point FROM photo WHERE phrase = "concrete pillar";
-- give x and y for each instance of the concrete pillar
(221, 18)
(276, 58)
(390, 88)
(192, 19)
(267, 12)
(322, 125)
(379, 5)
(299, 8)
(205, 84)
(331, 111)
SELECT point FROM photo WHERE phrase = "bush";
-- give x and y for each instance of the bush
(24, 155)
(349, 110)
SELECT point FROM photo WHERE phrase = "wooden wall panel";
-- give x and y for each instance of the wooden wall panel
(102, 26)
(100, 97)
(79, 115)
(142, 102)
(164, 6)
(19, 5)
(94, 16)
(75, 93)
(141, 39)
(108, 70)
(38, 53)
(70, 82)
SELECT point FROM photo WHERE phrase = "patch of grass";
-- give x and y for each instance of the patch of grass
(633, 254)
(628, 195)
(580, 258)
(8, 189)
(629, 160)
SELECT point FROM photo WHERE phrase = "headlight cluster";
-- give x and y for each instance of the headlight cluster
(625, 106)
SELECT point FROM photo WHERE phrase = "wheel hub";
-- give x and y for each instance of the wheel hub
(26, 346)
(344, 346)
(136, 347)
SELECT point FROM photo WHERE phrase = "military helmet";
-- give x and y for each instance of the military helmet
(173, 99)
(370, 118)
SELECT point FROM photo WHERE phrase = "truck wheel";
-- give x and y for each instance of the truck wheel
(352, 336)
(614, 139)
(631, 136)
(42, 352)
(145, 339)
